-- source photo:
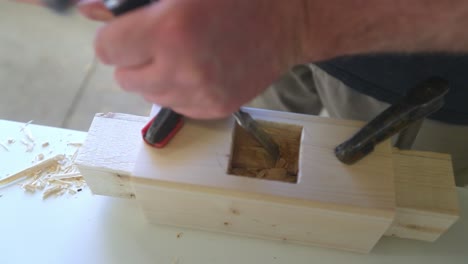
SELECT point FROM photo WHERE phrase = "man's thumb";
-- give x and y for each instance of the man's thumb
(94, 10)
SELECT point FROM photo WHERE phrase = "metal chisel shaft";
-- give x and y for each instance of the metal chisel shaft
(250, 125)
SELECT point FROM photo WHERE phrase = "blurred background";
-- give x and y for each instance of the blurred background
(48, 72)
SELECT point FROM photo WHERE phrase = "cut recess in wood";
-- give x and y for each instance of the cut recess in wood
(250, 159)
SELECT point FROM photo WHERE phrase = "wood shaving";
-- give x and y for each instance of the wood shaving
(53, 190)
(62, 191)
(45, 144)
(25, 125)
(107, 115)
(65, 176)
(29, 145)
(28, 134)
(262, 174)
(80, 184)
(277, 174)
(5, 147)
(281, 163)
(32, 171)
(64, 183)
(75, 144)
(75, 154)
(40, 157)
(29, 188)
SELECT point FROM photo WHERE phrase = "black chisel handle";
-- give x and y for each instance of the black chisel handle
(119, 7)
(421, 101)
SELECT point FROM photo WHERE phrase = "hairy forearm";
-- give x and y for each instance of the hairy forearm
(335, 27)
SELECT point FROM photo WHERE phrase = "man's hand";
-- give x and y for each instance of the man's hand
(205, 58)
(202, 58)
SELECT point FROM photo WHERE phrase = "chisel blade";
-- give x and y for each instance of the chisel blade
(246, 121)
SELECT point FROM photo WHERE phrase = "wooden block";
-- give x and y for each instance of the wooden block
(332, 204)
(110, 152)
(188, 184)
(426, 197)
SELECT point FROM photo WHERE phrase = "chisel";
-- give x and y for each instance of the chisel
(421, 101)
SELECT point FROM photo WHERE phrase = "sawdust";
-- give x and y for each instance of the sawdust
(5, 147)
(29, 145)
(249, 159)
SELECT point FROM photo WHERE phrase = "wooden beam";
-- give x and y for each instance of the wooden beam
(187, 184)
(332, 204)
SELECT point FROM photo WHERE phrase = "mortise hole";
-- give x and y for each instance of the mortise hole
(249, 159)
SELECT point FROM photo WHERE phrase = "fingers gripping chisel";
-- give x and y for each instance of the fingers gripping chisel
(159, 131)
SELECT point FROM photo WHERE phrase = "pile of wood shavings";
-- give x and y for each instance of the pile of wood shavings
(279, 172)
(58, 178)
(54, 176)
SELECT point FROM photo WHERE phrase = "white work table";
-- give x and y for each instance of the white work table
(86, 228)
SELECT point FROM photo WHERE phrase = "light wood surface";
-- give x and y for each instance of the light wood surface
(200, 154)
(200, 194)
(426, 197)
(110, 152)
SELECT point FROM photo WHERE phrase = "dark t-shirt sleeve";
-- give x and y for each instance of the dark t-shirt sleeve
(387, 77)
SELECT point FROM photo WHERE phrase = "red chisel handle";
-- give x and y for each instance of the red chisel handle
(162, 128)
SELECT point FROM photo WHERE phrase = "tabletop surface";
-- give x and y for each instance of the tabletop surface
(87, 228)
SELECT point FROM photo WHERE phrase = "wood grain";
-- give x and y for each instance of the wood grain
(332, 204)
(426, 197)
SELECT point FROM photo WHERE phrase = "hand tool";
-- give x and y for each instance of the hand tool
(159, 131)
(408, 113)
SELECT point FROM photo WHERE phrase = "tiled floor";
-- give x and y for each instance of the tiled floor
(48, 72)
